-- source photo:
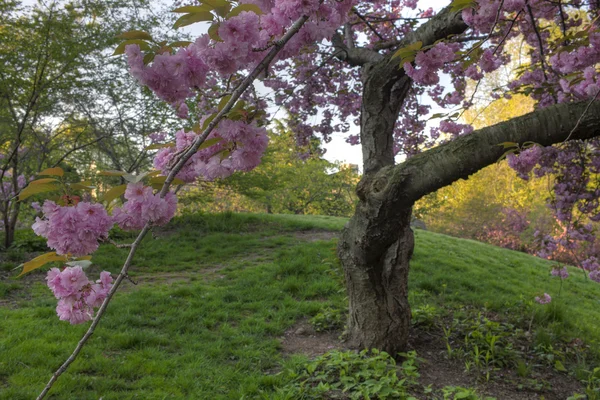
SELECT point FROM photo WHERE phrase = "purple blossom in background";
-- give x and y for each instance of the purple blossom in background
(562, 273)
(545, 299)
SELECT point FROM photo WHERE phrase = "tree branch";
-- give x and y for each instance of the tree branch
(429, 171)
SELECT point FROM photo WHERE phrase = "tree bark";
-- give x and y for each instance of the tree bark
(377, 243)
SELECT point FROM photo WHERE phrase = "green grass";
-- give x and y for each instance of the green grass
(214, 335)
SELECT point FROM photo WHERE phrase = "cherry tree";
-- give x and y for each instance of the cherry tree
(333, 64)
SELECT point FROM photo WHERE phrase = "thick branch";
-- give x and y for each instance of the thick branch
(355, 56)
(439, 167)
(385, 88)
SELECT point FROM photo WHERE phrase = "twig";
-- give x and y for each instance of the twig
(368, 24)
(581, 117)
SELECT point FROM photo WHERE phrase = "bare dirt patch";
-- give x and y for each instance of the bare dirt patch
(315, 235)
(302, 339)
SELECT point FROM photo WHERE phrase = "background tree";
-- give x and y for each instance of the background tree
(63, 99)
(297, 180)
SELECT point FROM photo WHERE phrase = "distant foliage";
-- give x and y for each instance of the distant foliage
(290, 180)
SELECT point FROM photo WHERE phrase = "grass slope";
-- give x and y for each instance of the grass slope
(215, 293)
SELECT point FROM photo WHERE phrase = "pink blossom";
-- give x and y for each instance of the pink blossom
(545, 299)
(73, 230)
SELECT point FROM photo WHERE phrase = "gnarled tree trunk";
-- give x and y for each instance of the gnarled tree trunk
(377, 243)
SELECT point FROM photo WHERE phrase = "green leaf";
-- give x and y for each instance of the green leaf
(161, 180)
(215, 3)
(213, 32)
(189, 19)
(508, 145)
(181, 43)
(208, 121)
(56, 171)
(36, 189)
(121, 48)
(148, 58)
(244, 7)
(223, 102)
(193, 9)
(209, 142)
(157, 146)
(559, 366)
(458, 5)
(40, 261)
(408, 53)
(114, 193)
(43, 180)
(141, 35)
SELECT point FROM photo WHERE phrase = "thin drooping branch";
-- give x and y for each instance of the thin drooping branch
(441, 166)
(183, 158)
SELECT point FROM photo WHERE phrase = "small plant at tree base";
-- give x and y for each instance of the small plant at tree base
(457, 392)
(353, 375)
(330, 319)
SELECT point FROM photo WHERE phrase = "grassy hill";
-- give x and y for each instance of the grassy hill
(231, 306)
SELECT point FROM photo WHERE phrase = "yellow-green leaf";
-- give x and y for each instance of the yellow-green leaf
(157, 146)
(215, 3)
(408, 53)
(244, 7)
(153, 173)
(40, 261)
(135, 35)
(193, 9)
(148, 58)
(161, 180)
(458, 5)
(114, 193)
(43, 180)
(223, 102)
(209, 142)
(38, 188)
(192, 18)
(180, 43)
(121, 48)
(559, 366)
(56, 171)
(213, 32)
(207, 121)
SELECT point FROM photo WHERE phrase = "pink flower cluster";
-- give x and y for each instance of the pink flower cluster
(240, 149)
(545, 299)
(244, 39)
(524, 162)
(73, 230)
(77, 295)
(143, 206)
(430, 62)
